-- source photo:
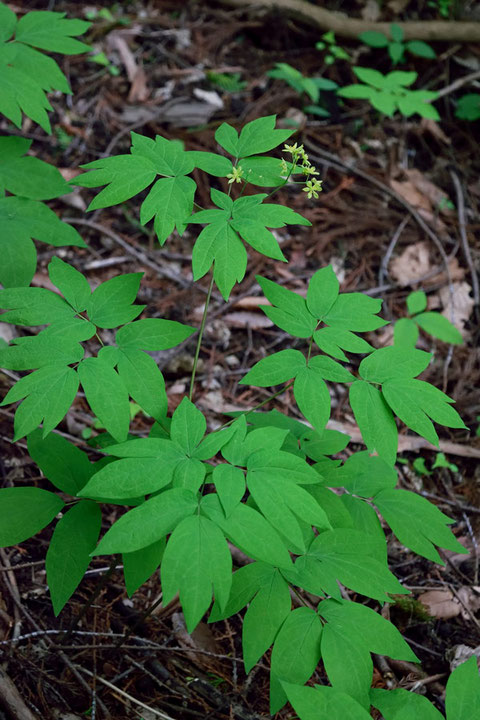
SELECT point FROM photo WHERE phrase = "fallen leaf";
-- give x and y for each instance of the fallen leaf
(244, 319)
(435, 195)
(460, 302)
(441, 603)
(459, 654)
(412, 264)
(434, 129)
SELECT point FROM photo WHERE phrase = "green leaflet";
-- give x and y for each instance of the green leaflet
(415, 401)
(110, 304)
(71, 283)
(25, 511)
(168, 156)
(291, 313)
(249, 531)
(27, 73)
(51, 31)
(334, 341)
(328, 369)
(281, 500)
(107, 396)
(67, 467)
(48, 394)
(188, 426)
(367, 627)
(33, 306)
(328, 442)
(364, 474)
(322, 292)
(405, 333)
(20, 221)
(323, 703)
(139, 566)
(124, 175)
(153, 334)
(463, 691)
(246, 581)
(171, 202)
(230, 485)
(143, 381)
(365, 519)
(417, 523)
(263, 171)
(148, 522)
(30, 353)
(349, 556)
(400, 704)
(68, 556)
(275, 369)
(264, 617)
(312, 397)
(220, 243)
(212, 443)
(195, 559)
(283, 463)
(393, 363)
(211, 163)
(375, 420)
(28, 176)
(439, 327)
(416, 302)
(295, 654)
(347, 662)
(355, 312)
(189, 473)
(256, 137)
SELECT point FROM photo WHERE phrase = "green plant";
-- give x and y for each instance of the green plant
(431, 322)
(468, 107)
(263, 481)
(228, 82)
(310, 86)
(333, 51)
(396, 46)
(442, 7)
(389, 93)
(27, 74)
(101, 59)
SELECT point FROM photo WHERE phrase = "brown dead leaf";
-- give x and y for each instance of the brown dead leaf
(409, 192)
(435, 195)
(462, 304)
(459, 654)
(445, 604)
(371, 11)
(139, 92)
(434, 129)
(412, 264)
(441, 603)
(244, 319)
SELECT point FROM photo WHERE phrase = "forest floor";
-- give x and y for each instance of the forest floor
(384, 180)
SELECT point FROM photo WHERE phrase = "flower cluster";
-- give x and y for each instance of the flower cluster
(300, 159)
(236, 175)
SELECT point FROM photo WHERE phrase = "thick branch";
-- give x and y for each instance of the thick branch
(344, 26)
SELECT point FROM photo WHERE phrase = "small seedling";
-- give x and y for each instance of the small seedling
(468, 107)
(228, 82)
(310, 86)
(333, 51)
(390, 93)
(430, 321)
(395, 44)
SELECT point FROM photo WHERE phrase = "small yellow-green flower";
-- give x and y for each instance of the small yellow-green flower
(293, 149)
(312, 188)
(236, 175)
(283, 167)
(309, 169)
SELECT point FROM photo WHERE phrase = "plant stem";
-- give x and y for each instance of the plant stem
(200, 337)
(256, 407)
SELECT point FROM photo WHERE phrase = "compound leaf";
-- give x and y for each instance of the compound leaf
(48, 394)
(417, 523)
(259, 136)
(51, 31)
(110, 304)
(124, 175)
(68, 555)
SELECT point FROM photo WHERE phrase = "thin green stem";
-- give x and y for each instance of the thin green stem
(200, 337)
(256, 407)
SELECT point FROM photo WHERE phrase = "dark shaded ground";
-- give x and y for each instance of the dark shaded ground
(353, 225)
